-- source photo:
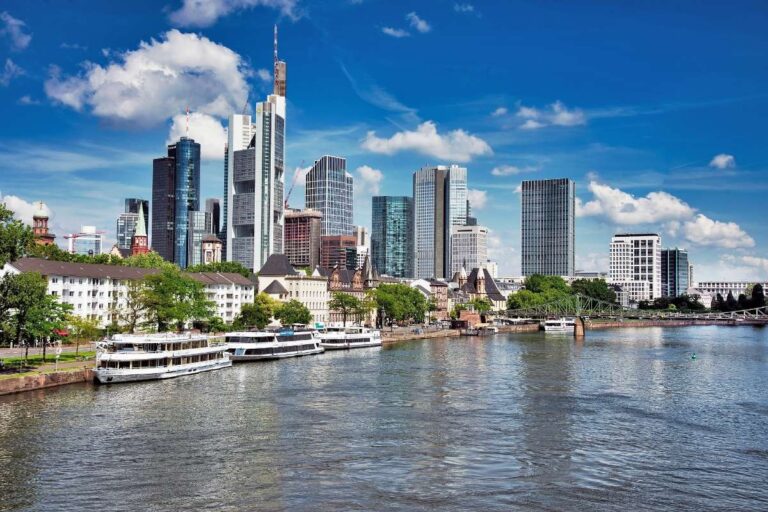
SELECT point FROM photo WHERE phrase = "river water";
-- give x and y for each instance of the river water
(625, 420)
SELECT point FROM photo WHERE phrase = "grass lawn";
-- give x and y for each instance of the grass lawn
(50, 357)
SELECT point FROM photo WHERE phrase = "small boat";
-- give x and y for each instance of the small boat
(130, 358)
(272, 344)
(559, 325)
(341, 338)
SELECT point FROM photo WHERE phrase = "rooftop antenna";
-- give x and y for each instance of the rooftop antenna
(187, 120)
(274, 70)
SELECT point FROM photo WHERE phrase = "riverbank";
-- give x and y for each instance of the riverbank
(45, 378)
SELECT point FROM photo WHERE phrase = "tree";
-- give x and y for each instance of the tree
(21, 294)
(718, 303)
(223, 266)
(136, 305)
(481, 305)
(173, 298)
(400, 302)
(46, 317)
(538, 283)
(758, 297)
(257, 314)
(730, 303)
(595, 288)
(743, 302)
(82, 329)
(15, 236)
(293, 312)
(345, 304)
(147, 260)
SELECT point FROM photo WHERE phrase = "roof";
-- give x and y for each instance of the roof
(437, 282)
(491, 290)
(275, 288)
(72, 269)
(277, 265)
(220, 278)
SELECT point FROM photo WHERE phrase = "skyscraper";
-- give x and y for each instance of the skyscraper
(333, 250)
(675, 272)
(213, 210)
(635, 265)
(328, 190)
(175, 192)
(392, 235)
(439, 202)
(302, 237)
(469, 248)
(255, 178)
(198, 221)
(548, 230)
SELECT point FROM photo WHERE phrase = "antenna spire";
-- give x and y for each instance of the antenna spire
(276, 45)
(187, 120)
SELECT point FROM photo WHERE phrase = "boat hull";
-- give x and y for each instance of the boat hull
(266, 357)
(347, 345)
(117, 376)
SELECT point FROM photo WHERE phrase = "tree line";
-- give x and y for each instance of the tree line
(541, 289)
(751, 298)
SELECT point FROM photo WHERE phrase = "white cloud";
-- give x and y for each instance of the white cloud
(457, 145)
(759, 263)
(28, 100)
(369, 179)
(205, 129)
(511, 170)
(301, 179)
(519, 188)
(199, 13)
(13, 28)
(72, 46)
(477, 198)
(704, 231)
(723, 161)
(556, 114)
(264, 75)
(10, 71)
(417, 23)
(395, 32)
(531, 124)
(594, 261)
(564, 117)
(23, 210)
(501, 111)
(528, 112)
(463, 7)
(158, 80)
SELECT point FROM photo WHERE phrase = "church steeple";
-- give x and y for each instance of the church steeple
(40, 225)
(139, 242)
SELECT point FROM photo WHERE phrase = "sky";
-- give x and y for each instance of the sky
(656, 109)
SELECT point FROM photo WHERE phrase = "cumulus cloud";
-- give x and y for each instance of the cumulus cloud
(205, 129)
(9, 72)
(477, 198)
(501, 111)
(28, 100)
(755, 262)
(15, 30)
(156, 81)
(676, 216)
(555, 114)
(197, 13)
(22, 210)
(463, 7)
(511, 170)
(395, 32)
(723, 161)
(456, 145)
(264, 75)
(369, 179)
(417, 23)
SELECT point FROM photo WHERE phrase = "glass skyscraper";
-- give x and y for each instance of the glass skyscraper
(548, 234)
(163, 206)
(392, 235)
(198, 223)
(675, 270)
(213, 209)
(328, 190)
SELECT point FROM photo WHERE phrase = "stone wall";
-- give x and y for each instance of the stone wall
(44, 380)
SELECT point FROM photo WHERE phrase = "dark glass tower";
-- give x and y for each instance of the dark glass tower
(548, 229)
(392, 235)
(674, 272)
(132, 206)
(213, 209)
(163, 206)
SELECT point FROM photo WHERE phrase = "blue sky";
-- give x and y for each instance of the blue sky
(655, 109)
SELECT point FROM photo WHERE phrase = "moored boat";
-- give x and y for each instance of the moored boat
(341, 338)
(558, 325)
(272, 344)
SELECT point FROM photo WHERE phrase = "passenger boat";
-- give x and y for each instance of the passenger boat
(274, 344)
(340, 338)
(564, 325)
(129, 358)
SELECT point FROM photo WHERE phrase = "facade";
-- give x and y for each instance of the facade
(493, 268)
(333, 250)
(40, 230)
(213, 210)
(281, 281)
(469, 247)
(439, 203)
(723, 287)
(125, 228)
(328, 190)
(163, 206)
(87, 242)
(199, 222)
(480, 285)
(99, 292)
(302, 237)
(212, 249)
(675, 272)
(132, 205)
(186, 155)
(392, 235)
(635, 265)
(548, 228)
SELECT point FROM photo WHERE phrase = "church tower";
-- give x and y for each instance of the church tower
(40, 225)
(140, 242)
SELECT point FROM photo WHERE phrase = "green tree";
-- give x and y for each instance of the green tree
(595, 288)
(400, 302)
(223, 266)
(524, 299)
(15, 236)
(136, 305)
(147, 260)
(481, 305)
(174, 299)
(538, 283)
(257, 314)
(45, 317)
(82, 329)
(730, 303)
(293, 312)
(345, 304)
(718, 303)
(21, 294)
(758, 296)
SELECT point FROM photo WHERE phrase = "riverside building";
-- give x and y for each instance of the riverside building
(302, 237)
(548, 229)
(392, 235)
(635, 265)
(675, 272)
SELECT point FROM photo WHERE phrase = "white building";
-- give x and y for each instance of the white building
(278, 279)
(723, 287)
(493, 268)
(99, 292)
(635, 265)
(469, 247)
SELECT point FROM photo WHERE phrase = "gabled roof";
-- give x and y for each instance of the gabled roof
(275, 288)
(491, 290)
(220, 278)
(277, 265)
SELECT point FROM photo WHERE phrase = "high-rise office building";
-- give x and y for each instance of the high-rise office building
(175, 193)
(302, 237)
(392, 235)
(212, 208)
(548, 229)
(328, 190)
(675, 272)
(439, 203)
(255, 163)
(469, 248)
(635, 265)
(132, 205)
(198, 224)
(333, 250)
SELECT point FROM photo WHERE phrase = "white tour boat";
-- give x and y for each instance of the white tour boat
(565, 325)
(129, 358)
(257, 345)
(338, 338)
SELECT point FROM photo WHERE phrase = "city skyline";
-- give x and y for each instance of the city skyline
(641, 158)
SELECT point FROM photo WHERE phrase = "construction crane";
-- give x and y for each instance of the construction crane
(293, 184)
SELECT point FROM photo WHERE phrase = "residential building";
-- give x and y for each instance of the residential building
(635, 265)
(328, 190)
(87, 242)
(436, 293)
(675, 272)
(163, 206)
(439, 203)
(213, 209)
(199, 222)
(392, 235)
(469, 247)
(333, 250)
(132, 205)
(548, 229)
(302, 237)
(281, 281)
(40, 230)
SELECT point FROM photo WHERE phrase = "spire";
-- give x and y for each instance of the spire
(276, 59)
(141, 229)
(278, 72)
(187, 121)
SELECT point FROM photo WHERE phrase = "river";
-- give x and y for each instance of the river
(625, 420)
